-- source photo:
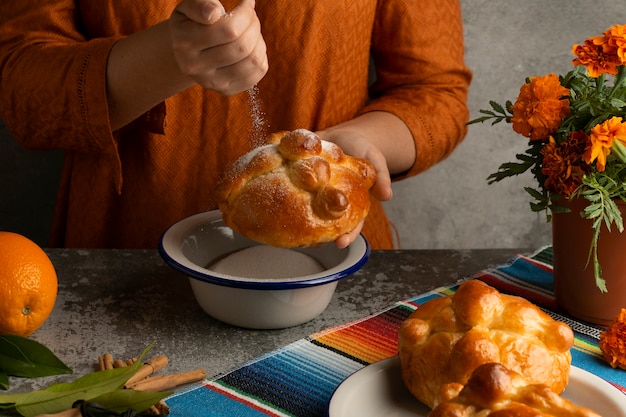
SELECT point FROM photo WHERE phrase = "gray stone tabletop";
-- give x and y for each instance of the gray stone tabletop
(121, 301)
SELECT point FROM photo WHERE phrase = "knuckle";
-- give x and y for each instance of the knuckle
(230, 33)
(190, 67)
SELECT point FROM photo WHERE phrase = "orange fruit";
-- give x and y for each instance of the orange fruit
(28, 285)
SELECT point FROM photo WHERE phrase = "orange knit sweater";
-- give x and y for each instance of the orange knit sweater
(123, 189)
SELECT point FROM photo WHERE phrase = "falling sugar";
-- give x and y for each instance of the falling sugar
(259, 123)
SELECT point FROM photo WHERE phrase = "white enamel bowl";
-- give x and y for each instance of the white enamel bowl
(194, 243)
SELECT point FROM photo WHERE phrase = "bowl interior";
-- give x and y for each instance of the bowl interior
(194, 243)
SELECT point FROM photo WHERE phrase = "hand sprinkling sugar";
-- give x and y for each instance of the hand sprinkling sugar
(213, 12)
(220, 51)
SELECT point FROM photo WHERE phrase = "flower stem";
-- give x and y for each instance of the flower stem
(619, 81)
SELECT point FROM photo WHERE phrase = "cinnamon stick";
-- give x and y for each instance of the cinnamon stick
(118, 363)
(168, 382)
(148, 368)
(105, 362)
(100, 363)
(160, 408)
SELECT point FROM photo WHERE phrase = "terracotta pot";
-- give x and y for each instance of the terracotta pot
(574, 283)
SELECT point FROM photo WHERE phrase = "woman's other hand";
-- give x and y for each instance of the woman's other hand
(385, 141)
(356, 145)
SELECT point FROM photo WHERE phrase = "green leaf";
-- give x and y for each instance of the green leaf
(556, 208)
(125, 399)
(593, 210)
(509, 169)
(59, 397)
(497, 115)
(597, 270)
(4, 380)
(537, 207)
(24, 357)
(497, 107)
(619, 149)
(613, 216)
(12, 357)
(617, 103)
(534, 193)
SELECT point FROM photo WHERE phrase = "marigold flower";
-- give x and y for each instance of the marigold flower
(601, 140)
(563, 165)
(598, 55)
(616, 38)
(613, 342)
(540, 107)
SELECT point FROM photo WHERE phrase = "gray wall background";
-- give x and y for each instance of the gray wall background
(449, 206)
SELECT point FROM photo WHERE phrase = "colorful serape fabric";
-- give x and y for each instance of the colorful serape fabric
(299, 379)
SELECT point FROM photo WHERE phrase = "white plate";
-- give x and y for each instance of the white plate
(378, 391)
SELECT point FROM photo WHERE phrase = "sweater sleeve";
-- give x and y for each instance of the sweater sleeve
(53, 79)
(418, 53)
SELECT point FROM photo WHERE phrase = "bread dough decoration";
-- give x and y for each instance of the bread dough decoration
(494, 390)
(296, 191)
(447, 338)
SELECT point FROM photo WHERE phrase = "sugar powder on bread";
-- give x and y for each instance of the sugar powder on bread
(267, 262)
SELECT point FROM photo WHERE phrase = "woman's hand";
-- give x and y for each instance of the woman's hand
(200, 44)
(356, 145)
(385, 141)
(221, 52)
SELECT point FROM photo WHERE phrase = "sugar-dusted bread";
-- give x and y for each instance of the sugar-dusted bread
(447, 338)
(296, 191)
(495, 391)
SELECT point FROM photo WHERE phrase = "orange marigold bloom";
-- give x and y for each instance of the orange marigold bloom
(601, 140)
(617, 39)
(613, 342)
(598, 55)
(540, 107)
(563, 165)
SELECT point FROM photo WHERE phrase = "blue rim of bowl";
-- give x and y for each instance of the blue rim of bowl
(204, 274)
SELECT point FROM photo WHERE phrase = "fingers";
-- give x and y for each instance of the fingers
(356, 145)
(345, 240)
(244, 74)
(222, 52)
(382, 188)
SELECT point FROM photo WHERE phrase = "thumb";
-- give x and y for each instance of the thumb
(212, 11)
(201, 11)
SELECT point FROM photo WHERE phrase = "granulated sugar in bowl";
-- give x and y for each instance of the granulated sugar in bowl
(242, 283)
(267, 262)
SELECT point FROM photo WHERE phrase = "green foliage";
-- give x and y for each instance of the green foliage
(22, 357)
(498, 113)
(602, 190)
(105, 387)
(592, 101)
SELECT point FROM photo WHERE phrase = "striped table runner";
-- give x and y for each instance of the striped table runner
(299, 379)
